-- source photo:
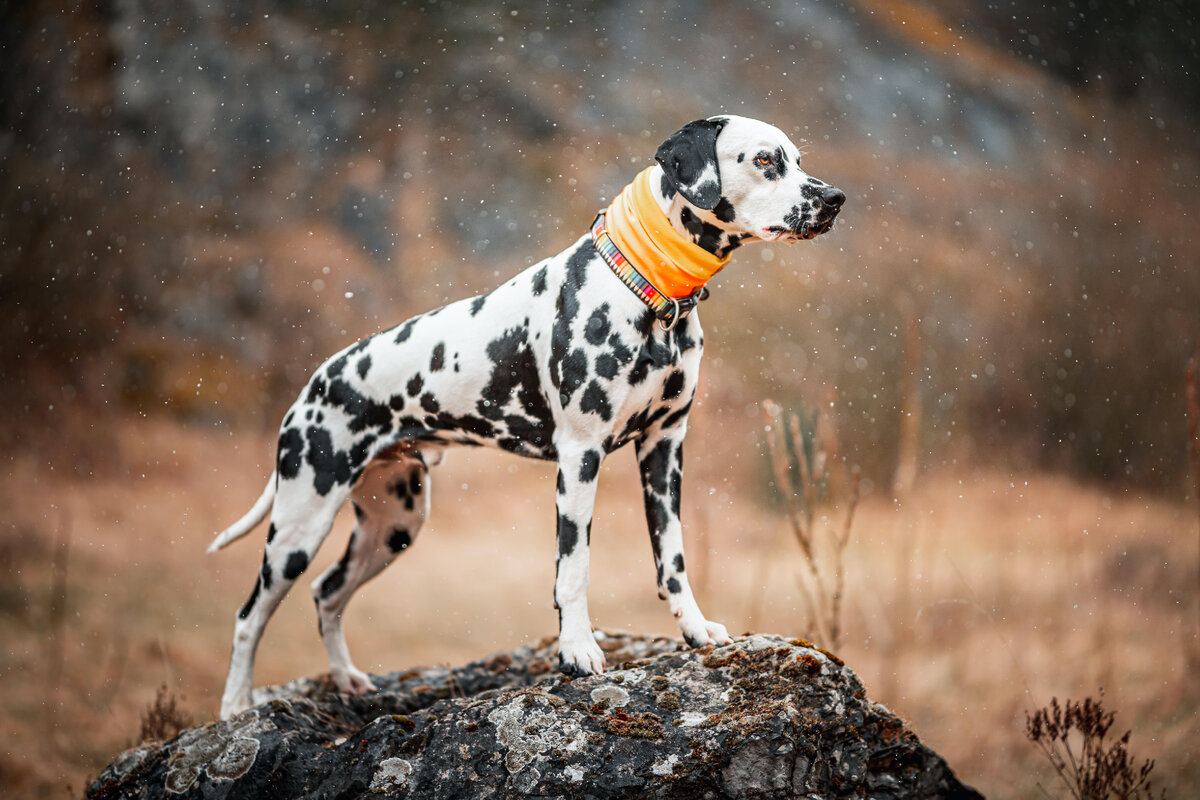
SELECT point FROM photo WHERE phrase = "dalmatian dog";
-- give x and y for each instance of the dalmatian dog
(564, 362)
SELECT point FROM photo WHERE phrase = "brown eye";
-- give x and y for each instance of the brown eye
(763, 161)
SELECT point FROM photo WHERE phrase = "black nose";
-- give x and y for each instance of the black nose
(833, 196)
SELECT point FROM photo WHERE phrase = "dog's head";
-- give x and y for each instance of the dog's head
(745, 177)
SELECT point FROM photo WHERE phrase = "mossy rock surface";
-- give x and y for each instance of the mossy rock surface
(765, 717)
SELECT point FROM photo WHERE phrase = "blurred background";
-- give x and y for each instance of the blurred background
(200, 201)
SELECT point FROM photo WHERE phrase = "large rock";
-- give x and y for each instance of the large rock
(764, 717)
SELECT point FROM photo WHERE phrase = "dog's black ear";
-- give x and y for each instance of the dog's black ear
(689, 160)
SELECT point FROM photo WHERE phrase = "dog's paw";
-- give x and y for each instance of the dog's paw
(579, 657)
(232, 706)
(703, 633)
(352, 681)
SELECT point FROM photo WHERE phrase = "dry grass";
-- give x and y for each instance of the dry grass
(980, 598)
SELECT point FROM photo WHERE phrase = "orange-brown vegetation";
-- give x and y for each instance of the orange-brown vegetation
(981, 597)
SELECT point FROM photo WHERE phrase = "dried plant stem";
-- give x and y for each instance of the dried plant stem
(799, 518)
(842, 539)
(815, 481)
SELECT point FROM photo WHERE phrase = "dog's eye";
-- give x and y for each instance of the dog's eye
(763, 161)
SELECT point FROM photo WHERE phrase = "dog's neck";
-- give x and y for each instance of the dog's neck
(704, 228)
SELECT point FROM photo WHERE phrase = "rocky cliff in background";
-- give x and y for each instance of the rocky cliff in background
(199, 200)
(764, 717)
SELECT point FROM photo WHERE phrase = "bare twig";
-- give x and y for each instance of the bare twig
(818, 478)
(842, 539)
(799, 518)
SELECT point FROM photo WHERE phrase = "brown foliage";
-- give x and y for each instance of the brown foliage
(1073, 738)
(164, 719)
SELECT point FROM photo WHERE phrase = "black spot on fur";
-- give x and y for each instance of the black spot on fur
(673, 385)
(363, 411)
(568, 536)
(562, 483)
(595, 401)
(399, 539)
(405, 331)
(316, 390)
(619, 351)
(337, 366)
(271, 533)
(266, 573)
(574, 373)
(741, 157)
(656, 516)
(679, 562)
(330, 465)
(673, 419)
(589, 467)
(539, 282)
(477, 304)
(598, 327)
(332, 582)
(438, 360)
(567, 307)
(653, 355)
(732, 242)
(414, 482)
(396, 402)
(297, 562)
(430, 403)
(468, 423)
(655, 466)
(724, 210)
(673, 585)
(710, 238)
(798, 217)
(607, 365)
(415, 384)
(364, 366)
(337, 576)
(291, 446)
(515, 369)
(249, 606)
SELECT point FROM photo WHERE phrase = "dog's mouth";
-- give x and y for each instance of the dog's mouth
(806, 231)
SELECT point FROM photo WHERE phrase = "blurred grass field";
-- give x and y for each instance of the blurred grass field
(980, 598)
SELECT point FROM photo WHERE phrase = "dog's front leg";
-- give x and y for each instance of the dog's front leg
(578, 653)
(660, 460)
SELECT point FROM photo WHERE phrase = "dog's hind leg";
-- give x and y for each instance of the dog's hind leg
(391, 501)
(300, 521)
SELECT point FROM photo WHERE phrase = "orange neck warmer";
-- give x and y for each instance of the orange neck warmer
(639, 228)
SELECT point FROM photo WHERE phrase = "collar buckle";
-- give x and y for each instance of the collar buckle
(680, 307)
(668, 310)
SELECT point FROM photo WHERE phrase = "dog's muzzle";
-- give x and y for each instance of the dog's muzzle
(826, 207)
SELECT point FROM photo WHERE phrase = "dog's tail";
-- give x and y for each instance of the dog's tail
(244, 525)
